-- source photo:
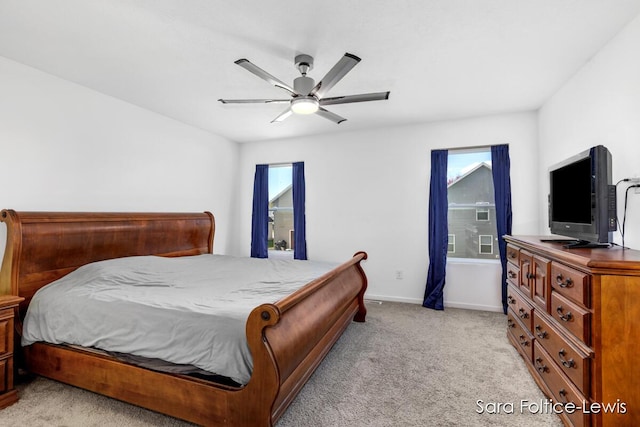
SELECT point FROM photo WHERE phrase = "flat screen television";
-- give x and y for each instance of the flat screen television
(582, 199)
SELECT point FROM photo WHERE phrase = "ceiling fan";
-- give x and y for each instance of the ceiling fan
(307, 97)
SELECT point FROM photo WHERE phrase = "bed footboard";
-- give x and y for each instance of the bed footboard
(290, 338)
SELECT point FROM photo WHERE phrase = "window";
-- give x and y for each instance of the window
(284, 209)
(280, 234)
(451, 244)
(482, 214)
(485, 244)
(471, 213)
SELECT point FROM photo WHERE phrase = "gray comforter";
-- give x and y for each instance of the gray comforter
(187, 310)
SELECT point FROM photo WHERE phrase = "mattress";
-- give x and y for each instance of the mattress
(187, 310)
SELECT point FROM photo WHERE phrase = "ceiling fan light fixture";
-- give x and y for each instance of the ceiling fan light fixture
(304, 105)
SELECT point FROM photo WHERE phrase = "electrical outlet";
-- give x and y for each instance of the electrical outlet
(399, 275)
(635, 180)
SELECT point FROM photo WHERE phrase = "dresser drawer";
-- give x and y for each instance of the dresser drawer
(571, 360)
(4, 375)
(540, 289)
(8, 394)
(526, 276)
(571, 316)
(520, 307)
(5, 342)
(561, 388)
(521, 337)
(571, 283)
(513, 254)
(513, 274)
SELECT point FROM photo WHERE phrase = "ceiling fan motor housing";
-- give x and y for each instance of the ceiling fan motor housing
(303, 85)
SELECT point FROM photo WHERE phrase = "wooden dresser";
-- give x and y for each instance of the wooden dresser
(8, 305)
(574, 316)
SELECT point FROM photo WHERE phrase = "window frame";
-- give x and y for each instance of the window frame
(469, 216)
(274, 210)
(451, 242)
(480, 244)
(483, 210)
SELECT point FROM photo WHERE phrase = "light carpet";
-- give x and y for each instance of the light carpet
(405, 366)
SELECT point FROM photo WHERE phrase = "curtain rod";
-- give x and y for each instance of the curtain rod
(470, 147)
(279, 163)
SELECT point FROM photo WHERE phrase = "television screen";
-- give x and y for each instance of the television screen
(572, 192)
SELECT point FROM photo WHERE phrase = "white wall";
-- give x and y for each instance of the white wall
(599, 105)
(369, 191)
(65, 147)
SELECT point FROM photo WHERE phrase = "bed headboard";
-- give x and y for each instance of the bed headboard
(44, 246)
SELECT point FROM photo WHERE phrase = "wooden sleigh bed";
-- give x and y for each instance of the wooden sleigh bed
(288, 339)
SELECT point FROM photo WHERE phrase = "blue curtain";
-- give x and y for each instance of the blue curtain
(299, 221)
(500, 165)
(438, 231)
(260, 214)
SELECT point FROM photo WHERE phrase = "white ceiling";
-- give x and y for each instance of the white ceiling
(441, 59)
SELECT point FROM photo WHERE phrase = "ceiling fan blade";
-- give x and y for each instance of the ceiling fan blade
(330, 116)
(378, 96)
(286, 113)
(343, 66)
(244, 63)
(254, 101)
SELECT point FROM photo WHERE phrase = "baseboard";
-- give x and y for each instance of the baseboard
(450, 304)
(466, 306)
(374, 298)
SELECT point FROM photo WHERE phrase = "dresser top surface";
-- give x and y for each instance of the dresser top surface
(607, 258)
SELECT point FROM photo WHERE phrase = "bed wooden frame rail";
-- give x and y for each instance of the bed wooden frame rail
(288, 339)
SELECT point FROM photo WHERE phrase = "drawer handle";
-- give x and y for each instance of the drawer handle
(563, 395)
(564, 317)
(511, 274)
(523, 314)
(511, 299)
(523, 341)
(530, 276)
(540, 333)
(512, 255)
(564, 283)
(542, 368)
(566, 363)
(510, 323)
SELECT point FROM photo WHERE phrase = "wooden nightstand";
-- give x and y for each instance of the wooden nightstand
(8, 304)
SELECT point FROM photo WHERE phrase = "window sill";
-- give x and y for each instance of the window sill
(472, 261)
